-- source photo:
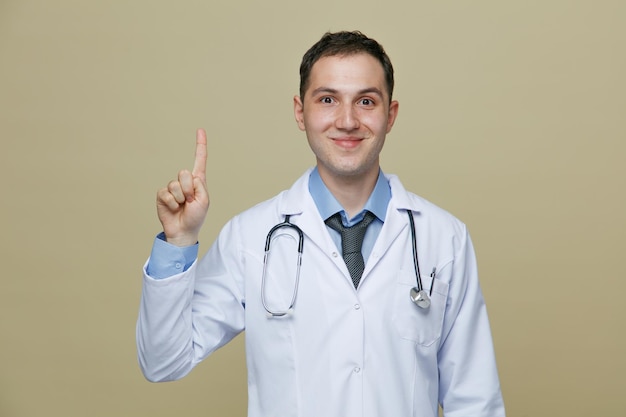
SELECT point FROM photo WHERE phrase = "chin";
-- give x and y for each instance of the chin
(350, 172)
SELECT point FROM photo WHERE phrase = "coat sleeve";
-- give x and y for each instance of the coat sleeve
(184, 318)
(469, 383)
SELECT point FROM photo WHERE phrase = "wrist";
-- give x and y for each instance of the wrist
(181, 241)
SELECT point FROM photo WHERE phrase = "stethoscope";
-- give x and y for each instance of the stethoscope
(417, 294)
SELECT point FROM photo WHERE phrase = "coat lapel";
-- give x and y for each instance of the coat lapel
(298, 203)
(397, 221)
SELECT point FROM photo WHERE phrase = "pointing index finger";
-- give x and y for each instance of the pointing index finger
(199, 166)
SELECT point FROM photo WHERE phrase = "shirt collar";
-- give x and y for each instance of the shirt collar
(328, 205)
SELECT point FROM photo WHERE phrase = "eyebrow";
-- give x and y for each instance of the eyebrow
(328, 90)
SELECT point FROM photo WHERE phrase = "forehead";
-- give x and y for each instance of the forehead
(347, 72)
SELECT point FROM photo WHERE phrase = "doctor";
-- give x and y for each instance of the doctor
(352, 343)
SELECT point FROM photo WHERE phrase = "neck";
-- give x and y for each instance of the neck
(351, 192)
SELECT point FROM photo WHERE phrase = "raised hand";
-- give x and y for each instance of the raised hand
(183, 204)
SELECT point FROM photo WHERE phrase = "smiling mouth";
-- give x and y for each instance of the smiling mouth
(347, 143)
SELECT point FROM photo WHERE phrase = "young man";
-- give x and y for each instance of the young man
(390, 323)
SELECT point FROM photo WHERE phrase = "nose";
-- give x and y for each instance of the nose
(347, 118)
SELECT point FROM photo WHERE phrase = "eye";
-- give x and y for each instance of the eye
(367, 102)
(326, 100)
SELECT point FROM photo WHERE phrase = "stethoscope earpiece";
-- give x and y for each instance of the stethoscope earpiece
(420, 298)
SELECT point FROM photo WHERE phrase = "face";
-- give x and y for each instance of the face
(346, 114)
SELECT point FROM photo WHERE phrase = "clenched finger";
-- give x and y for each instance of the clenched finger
(167, 199)
(175, 189)
(185, 179)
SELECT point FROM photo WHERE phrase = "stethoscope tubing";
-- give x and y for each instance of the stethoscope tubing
(418, 295)
(416, 264)
(289, 225)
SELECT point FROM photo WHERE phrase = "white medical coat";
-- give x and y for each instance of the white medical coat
(343, 352)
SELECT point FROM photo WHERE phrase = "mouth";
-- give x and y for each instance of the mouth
(347, 142)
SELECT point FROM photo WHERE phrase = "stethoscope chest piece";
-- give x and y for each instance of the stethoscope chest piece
(420, 297)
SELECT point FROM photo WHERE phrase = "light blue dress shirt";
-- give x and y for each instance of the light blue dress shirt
(167, 259)
(328, 205)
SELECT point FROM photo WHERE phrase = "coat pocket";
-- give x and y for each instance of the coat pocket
(420, 325)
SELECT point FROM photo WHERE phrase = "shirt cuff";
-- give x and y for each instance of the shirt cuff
(167, 260)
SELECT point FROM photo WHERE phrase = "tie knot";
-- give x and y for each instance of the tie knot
(334, 222)
(351, 237)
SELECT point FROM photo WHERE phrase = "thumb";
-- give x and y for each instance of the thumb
(200, 191)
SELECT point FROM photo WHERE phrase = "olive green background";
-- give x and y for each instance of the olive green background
(512, 117)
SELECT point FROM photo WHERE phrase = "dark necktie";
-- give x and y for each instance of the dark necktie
(351, 243)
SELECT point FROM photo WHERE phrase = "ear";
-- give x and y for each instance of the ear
(298, 112)
(393, 113)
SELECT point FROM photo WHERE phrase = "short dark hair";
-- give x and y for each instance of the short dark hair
(344, 44)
